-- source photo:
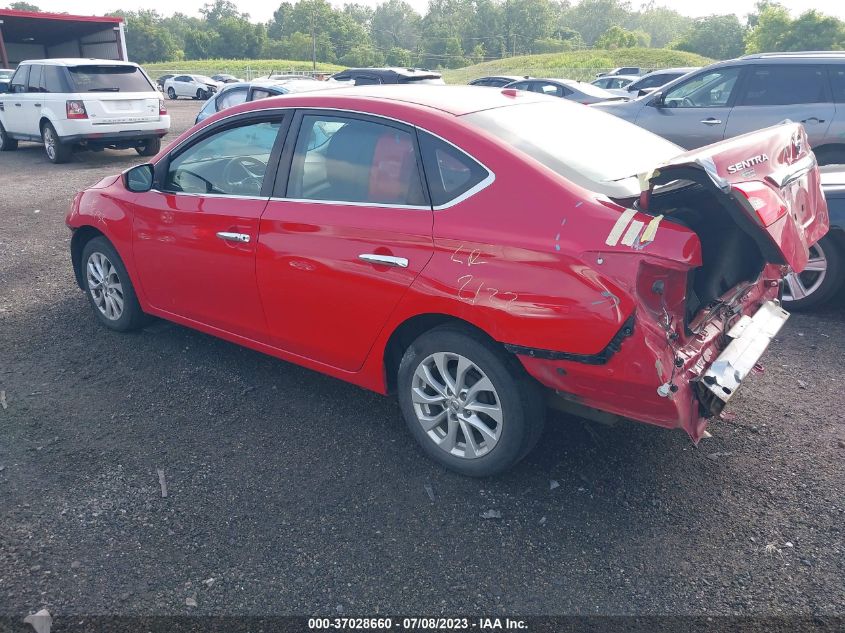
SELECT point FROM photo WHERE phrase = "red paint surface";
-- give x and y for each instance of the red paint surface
(524, 260)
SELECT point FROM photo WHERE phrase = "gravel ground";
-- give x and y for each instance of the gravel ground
(292, 493)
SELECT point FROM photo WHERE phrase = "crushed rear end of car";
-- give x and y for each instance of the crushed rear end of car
(694, 270)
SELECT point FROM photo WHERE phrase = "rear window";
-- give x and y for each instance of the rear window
(109, 79)
(580, 143)
(431, 80)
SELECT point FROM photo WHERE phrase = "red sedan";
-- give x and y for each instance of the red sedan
(481, 253)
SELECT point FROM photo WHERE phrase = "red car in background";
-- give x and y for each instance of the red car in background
(477, 252)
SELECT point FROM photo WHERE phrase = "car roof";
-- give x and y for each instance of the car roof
(450, 100)
(510, 77)
(78, 61)
(660, 71)
(631, 77)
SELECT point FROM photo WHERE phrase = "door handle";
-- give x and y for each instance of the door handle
(17, 105)
(712, 121)
(37, 105)
(812, 119)
(384, 260)
(241, 238)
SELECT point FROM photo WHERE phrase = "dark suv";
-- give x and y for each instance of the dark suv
(375, 76)
(741, 95)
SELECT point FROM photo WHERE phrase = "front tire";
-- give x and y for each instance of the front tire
(471, 407)
(7, 143)
(56, 151)
(171, 94)
(202, 95)
(150, 147)
(819, 281)
(109, 288)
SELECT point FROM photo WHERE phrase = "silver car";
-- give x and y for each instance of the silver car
(741, 95)
(566, 89)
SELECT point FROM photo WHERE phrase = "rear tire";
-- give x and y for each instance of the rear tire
(151, 147)
(7, 144)
(830, 251)
(486, 395)
(108, 287)
(171, 94)
(56, 151)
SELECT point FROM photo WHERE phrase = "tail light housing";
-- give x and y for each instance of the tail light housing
(76, 110)
(767, 204)
(162, 109)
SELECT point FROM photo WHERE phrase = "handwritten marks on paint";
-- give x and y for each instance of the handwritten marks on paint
(474, 291)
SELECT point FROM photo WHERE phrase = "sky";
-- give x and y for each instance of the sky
(262, 10)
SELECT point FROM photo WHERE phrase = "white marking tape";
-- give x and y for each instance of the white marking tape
(632, 233)
(621, 223)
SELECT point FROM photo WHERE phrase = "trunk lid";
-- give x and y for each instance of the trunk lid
(770, 183)
(106, 108)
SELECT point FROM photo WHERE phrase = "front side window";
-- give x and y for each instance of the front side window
(109, 79)
(261, 93)
(705, 90)
(18, 83)
(230, 162)
(352, 160)
(450, 172)
(785, 84)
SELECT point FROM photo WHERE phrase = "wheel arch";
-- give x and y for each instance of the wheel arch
(829, 150)
(80, 238)
(409, 330)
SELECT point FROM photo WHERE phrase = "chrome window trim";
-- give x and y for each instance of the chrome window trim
(489, 180)
(349, 203)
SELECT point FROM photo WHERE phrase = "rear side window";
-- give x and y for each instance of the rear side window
(785, 84)
(34, 84)
(341, 159)
(230, 98)
(450, 173)
(837, 82)
(109, 79)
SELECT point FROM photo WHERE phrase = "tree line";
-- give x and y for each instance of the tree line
(454, 33)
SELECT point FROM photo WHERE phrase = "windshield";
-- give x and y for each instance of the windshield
(5, 74)
(591, 148)
(109, 79)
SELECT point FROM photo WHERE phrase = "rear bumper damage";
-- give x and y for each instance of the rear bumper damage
(751, 336)
(668, 374)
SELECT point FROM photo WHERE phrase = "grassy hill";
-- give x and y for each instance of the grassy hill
(576, 64)
(243, 68)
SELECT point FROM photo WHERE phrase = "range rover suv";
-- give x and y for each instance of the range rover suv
(89, 103)
(733, 97)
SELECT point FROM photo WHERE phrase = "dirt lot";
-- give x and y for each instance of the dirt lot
(299, 494)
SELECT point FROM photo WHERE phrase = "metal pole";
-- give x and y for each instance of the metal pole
(4, 58)
(313, 42)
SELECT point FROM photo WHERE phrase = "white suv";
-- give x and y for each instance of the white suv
(193, 86)
(91, 103)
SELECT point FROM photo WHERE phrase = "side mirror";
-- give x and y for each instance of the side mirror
(646, 91)
(4, 88)
(139, 179)
(657, 99)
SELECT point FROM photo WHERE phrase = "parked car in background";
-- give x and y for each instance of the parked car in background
(192, 86)
(82, 103)
(824, 274)
(730, 98)
(375, 76)
(226, 79)
(5, 78)
(160, 81)
(614, 82)
(285, 76)
(567, 89)
(653, 80)
(234, 94)
(624, 70)
(471, 251)
(497, 81)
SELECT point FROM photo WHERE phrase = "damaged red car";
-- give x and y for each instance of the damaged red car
(479, 253)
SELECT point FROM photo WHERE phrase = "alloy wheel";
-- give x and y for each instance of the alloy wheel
(801, 285)
(49, 142)
(105, 286)
(457, 405)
